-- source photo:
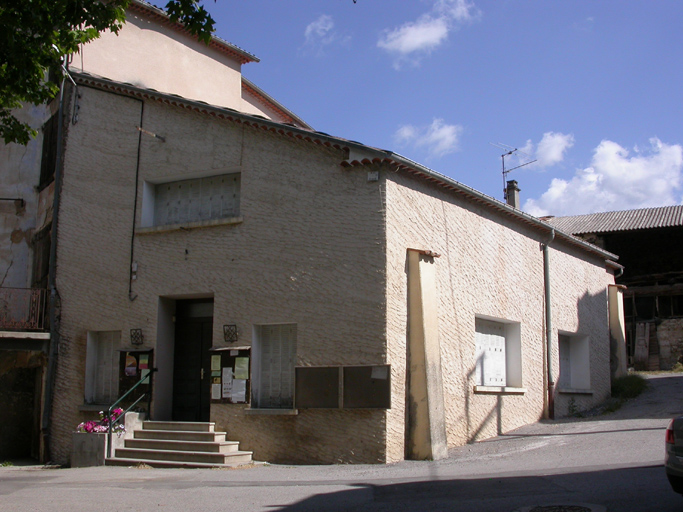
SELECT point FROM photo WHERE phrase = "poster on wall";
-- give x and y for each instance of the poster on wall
(144, 362)
(131, 365)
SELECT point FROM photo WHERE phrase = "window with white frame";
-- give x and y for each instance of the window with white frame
(101, 367)
(498, 354)
(274, 360)
(574, 362)
(192, 200)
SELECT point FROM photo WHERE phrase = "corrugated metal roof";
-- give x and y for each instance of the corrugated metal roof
(627, 220)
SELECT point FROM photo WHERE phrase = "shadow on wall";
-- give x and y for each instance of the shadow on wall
(580, 357)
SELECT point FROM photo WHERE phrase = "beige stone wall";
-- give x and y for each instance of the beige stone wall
(310, 250)
(490, 265)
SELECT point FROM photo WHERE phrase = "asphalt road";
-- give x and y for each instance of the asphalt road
(605, 463)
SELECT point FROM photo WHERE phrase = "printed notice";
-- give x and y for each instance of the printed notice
(215, 391)
(227, 382)
(216, 363)
(242, 368)
(144, 374)
(239, 390)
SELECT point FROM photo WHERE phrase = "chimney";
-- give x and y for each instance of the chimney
(512, 194)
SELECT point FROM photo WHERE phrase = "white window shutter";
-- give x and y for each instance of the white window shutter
(490, 353)
(278, 351)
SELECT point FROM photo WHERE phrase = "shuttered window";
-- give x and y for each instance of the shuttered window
(101, 386)
(490, 353)
(277, 348)
(214, 197)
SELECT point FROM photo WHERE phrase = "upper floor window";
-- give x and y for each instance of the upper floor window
(192, 200)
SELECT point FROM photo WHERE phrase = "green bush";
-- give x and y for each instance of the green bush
(629, 386)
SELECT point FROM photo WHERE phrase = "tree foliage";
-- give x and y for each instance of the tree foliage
(35, 35)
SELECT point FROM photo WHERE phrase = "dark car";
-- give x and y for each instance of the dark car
(673, 461)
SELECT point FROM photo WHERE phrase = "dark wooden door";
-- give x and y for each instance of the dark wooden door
(192, 369)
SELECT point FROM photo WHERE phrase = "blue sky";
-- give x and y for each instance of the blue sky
(592, 90)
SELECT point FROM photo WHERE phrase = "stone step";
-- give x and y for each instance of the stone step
(189, 457)
(185, 426)
(180, 435)
(120, 461)
(184, 446)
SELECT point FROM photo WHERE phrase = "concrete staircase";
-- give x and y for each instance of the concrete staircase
(179, 444)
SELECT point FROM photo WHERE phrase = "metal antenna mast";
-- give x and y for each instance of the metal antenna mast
(509, 150)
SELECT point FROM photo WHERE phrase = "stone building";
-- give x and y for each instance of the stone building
(320, 300)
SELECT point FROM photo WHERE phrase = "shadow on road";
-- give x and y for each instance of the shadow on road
(642, 489)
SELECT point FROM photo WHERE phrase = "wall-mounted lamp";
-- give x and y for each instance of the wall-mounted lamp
(136, 337)
(230, 333)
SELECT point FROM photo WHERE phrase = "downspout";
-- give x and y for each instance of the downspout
(46, 422)
(131, 270)
(549, 326)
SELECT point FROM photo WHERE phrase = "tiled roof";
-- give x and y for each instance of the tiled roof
(628, 220)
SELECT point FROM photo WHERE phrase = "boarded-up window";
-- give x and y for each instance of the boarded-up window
(490, 353)
(277, 354)
(180, 202)
(101, 367)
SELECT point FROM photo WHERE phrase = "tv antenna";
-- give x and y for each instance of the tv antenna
(509, 150)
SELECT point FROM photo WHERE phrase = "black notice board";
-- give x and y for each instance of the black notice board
(234, 361)
(367, 387)
(317, 387)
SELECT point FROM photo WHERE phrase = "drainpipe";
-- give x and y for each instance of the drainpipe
(52, 286)
(549, 325)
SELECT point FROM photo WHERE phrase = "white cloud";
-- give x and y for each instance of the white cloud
(439, 138)
(321, 33)
(548, 152)
(415, 39)
(551, 149)
(617, 180)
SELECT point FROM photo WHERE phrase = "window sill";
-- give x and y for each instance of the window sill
(573, 391)
(272, 412)
(498, 390)
(190, 225)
